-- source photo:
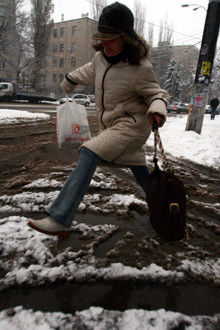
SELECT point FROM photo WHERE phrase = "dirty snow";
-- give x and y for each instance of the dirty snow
(27, 244)
(199, 148)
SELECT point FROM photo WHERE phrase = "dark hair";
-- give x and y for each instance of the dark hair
(133, 52)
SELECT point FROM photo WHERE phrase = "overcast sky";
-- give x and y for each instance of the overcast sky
(187, 24)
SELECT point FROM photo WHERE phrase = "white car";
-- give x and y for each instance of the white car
(92, 98)
(82, 99)
(79, 98)
(63, 100)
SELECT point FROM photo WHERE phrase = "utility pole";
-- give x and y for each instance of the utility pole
(204, 68)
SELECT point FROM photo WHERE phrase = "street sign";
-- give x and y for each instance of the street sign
(198, 100)
(205, 69)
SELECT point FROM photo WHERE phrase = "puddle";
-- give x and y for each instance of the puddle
(72, 242)
(192, 299)
(108, 245)
(139, 224)
(96, 219)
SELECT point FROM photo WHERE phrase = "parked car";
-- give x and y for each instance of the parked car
(63, 100)
(178, 107)
(79, 98)
(82, 99)
(92, 98)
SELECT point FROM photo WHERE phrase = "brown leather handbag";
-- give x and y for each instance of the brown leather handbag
(166, 198)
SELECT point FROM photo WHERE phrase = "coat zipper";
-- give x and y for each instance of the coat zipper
(103, 91)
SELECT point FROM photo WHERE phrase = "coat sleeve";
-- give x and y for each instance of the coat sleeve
(147, 86)
(84, 75)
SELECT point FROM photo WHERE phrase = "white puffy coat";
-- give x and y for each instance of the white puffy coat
(125, 95)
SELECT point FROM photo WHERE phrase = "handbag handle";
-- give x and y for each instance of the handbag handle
(157, 140)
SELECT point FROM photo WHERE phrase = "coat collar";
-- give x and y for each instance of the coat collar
(115, 59)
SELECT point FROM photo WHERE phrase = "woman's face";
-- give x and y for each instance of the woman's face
(113, 47)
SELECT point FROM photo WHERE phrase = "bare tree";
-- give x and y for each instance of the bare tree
(22, 45)
(139, 12)
(42, 25)
(96, 8)
(163, 51)
(166, 31)
(150, 34)
(7, 24)
(12, 24)
(215, 81)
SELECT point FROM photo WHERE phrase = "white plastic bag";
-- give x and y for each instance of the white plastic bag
(72, 124)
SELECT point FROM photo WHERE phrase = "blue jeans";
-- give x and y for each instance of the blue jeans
(213, 112)
(65, 206)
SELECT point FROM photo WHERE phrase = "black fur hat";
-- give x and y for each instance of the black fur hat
(116, 20)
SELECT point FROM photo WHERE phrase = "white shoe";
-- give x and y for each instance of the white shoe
(50, 226)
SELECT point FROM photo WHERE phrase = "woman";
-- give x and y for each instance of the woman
(128, 99)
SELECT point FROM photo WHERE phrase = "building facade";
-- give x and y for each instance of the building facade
(179, 61)
(70, 48)
(186, 54)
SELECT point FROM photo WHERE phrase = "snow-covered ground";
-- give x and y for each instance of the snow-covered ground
(201, 148)
(27, 245)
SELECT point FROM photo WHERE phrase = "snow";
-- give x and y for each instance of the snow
(14, 116)
(46, 267)
(99, 319)
(201, 148)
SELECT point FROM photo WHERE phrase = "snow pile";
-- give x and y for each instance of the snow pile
(201, 148)
(98, 318)
(15, 116)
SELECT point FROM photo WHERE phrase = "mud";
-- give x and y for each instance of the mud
(28, 151)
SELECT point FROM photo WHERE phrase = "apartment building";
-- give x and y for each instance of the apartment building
(70, 48)
(7, 40)
(187, 54)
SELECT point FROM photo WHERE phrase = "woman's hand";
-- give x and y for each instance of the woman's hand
(159, 119)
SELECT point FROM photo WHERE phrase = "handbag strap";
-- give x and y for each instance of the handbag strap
(157, 141)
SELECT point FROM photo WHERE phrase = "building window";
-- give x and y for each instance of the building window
(61, 62)
(2, 65)
(74, 30)
(55, 33)
(54, 48)
(61, 48)
(54, 77)
(62, 32)
(61, 77)
(73, 62)
(73, 47)
(54, 62)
